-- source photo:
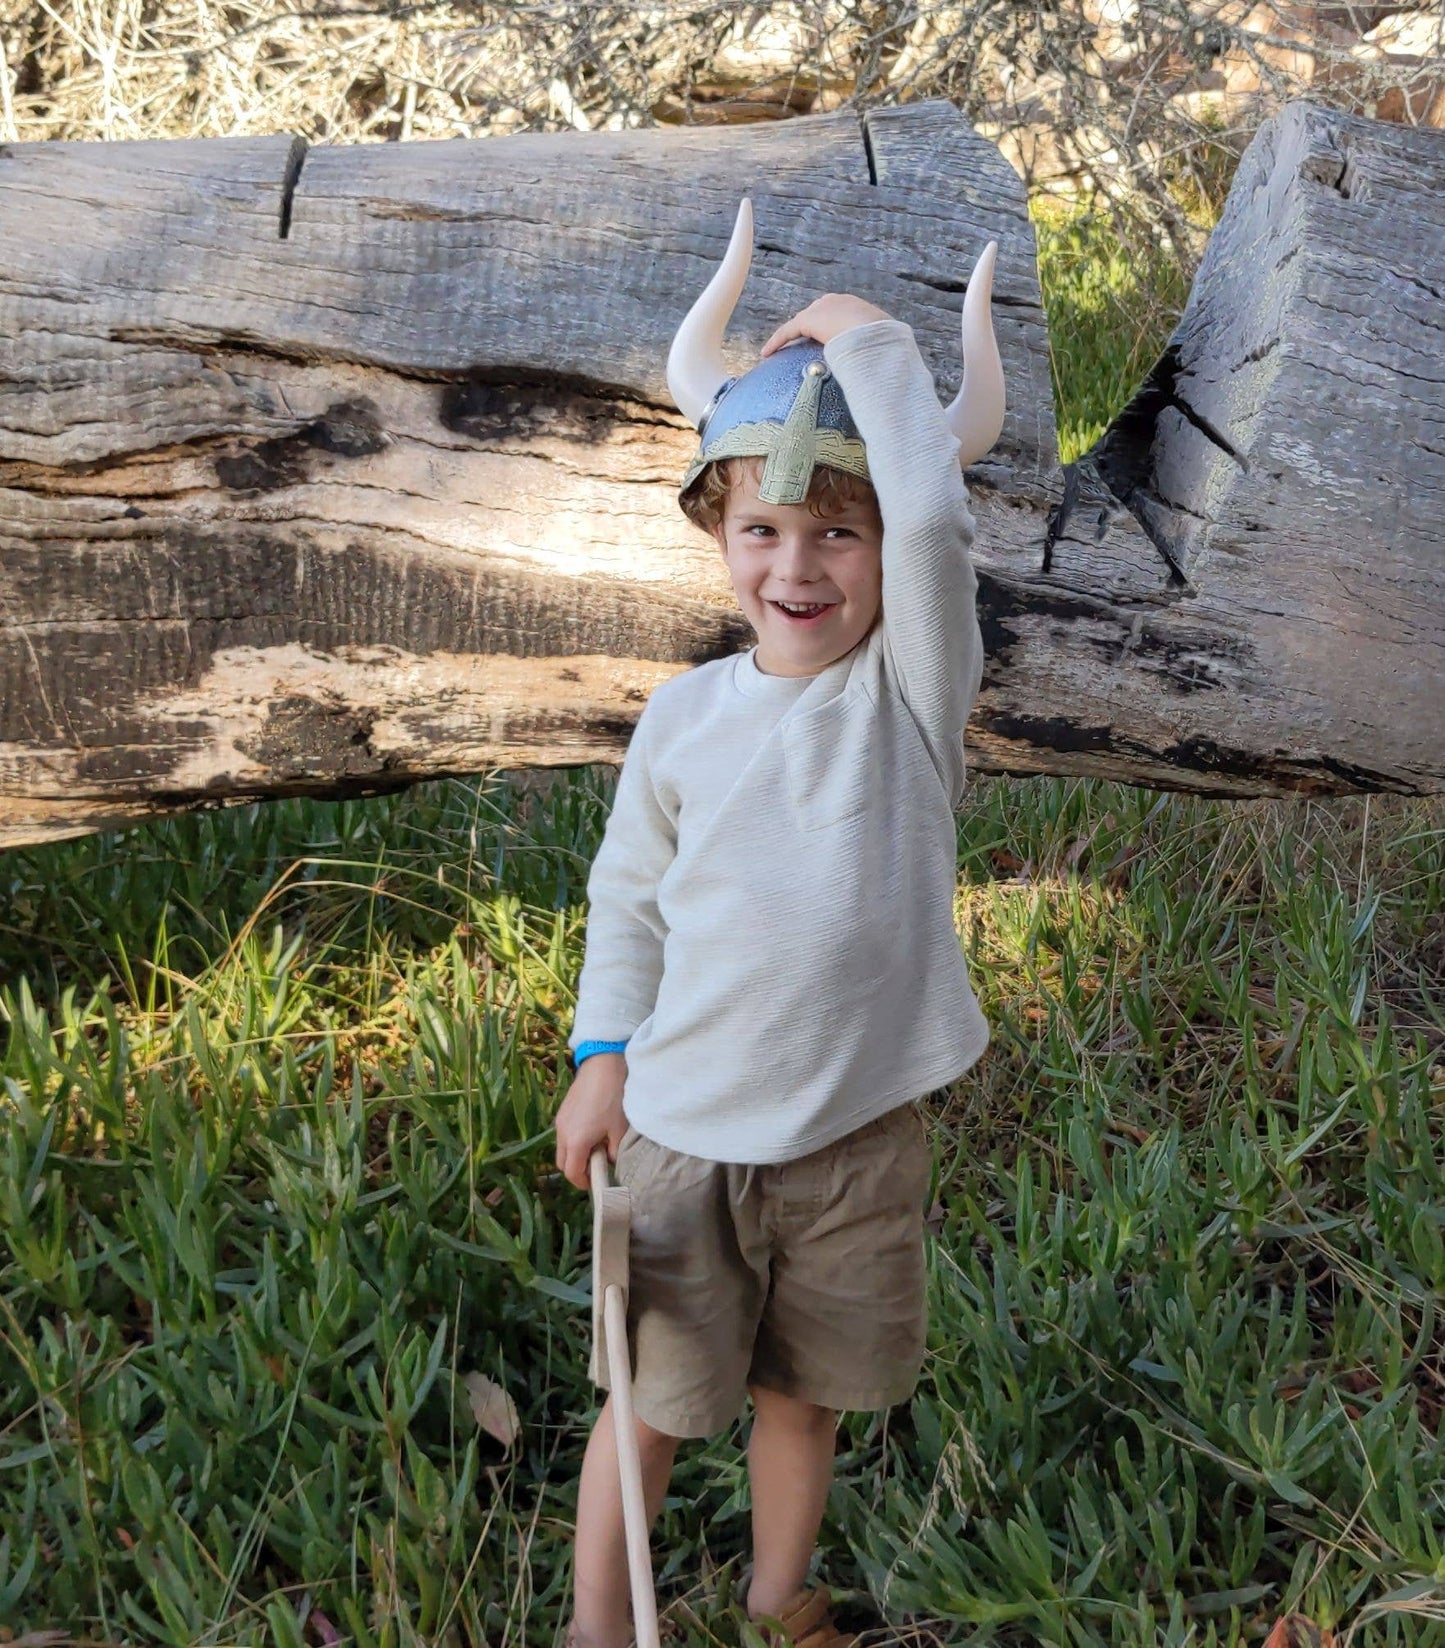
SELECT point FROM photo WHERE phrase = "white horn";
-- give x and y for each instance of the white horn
(695, 366)
(976, 415)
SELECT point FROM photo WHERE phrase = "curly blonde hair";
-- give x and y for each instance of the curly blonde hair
(830, 490)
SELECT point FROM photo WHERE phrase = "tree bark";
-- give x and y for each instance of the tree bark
(1287, 453)
(327, 470)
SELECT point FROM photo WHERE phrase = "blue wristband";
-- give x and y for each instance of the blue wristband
(586, 1049)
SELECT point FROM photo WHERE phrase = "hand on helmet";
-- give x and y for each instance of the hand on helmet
(824, 319)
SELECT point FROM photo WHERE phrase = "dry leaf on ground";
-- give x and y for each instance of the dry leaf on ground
(492, 1408)
(1299, 1631)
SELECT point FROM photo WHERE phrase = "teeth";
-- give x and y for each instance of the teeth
(816, 606)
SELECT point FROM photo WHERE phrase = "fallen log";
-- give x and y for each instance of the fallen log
(1286, 455)
(327, 470)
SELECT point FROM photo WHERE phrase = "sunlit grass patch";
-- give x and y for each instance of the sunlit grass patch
(263, 1218)
(1112, 301)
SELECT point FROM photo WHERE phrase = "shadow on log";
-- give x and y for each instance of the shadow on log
(322, 471)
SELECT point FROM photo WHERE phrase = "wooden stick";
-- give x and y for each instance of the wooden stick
(611, 1220)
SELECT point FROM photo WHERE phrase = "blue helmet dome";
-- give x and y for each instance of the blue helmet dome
(790, 410)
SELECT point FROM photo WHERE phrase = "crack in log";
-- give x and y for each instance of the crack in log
(1123, 459)
(1084, 488)
(295, 160)
(1123, 454)
(951, 288)
(1259, 352)
(868, 154)
(1330, 169)
(516, 377)
(1408, 279)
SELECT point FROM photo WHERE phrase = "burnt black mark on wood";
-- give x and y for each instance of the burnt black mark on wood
(148, 627)
(308, 737)
(224, 791)
(111, 768)
(295, 160)
(733, 633)
(490, 407)
(350, 429)
(1200, 754)
(1188, 661)
(267, 467)
(1363, 778)
(1000, 605)
(608, 726)
(1309, 775)
(1047, 732)
(1185, 661)
(1255, 772)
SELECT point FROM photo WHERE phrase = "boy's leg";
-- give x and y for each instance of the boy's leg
(790, 1467)
(843, 1328)
(602, 1609)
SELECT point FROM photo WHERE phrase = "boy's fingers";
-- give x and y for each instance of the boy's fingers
(789, 330)
(567, 1165)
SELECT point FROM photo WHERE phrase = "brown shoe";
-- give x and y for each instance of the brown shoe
(806, 1623)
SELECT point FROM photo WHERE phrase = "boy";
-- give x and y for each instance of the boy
(772, 975)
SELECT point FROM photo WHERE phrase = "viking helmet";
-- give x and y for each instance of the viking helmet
(789, 409)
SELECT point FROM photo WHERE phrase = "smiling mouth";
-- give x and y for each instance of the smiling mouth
(803, 612)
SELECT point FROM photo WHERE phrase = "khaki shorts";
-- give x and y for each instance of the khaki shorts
(804, 1277)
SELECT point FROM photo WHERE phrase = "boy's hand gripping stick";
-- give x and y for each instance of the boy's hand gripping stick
(611, 1225)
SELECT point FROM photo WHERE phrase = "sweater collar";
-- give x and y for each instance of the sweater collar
(780, 689)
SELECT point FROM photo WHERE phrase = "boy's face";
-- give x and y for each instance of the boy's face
(782, 555)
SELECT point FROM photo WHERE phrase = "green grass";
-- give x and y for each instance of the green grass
(1112, 301)
(277, 1092)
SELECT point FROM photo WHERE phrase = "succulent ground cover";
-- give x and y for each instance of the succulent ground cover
(279, 1213)
(292, 1304)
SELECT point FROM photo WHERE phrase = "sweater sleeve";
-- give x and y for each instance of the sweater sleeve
(933, 650)
(622, 966)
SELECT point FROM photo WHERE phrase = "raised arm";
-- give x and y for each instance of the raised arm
(933, 650)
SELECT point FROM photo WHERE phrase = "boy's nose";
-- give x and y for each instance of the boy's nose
(797, 557)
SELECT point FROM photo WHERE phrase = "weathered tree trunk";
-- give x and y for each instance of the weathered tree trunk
(324, 471)
(1287, 453)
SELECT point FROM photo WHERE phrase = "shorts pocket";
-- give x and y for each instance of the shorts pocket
(906, 1143)
(624, 1169)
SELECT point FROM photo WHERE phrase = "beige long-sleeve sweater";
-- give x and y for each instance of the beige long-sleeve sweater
(771, 925)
